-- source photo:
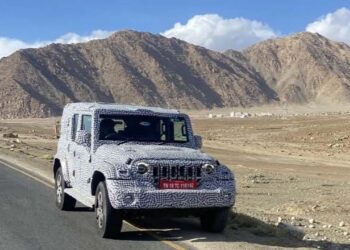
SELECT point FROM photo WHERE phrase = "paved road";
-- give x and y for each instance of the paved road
(30, 220)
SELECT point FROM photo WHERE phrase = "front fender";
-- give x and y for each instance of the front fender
(224, 173)
(115, 171)
(63, 164)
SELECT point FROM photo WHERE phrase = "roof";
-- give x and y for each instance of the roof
(92, 106)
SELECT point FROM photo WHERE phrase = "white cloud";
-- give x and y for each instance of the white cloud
(75, 38)
(9, 45)
(216, 33)
(335, 25)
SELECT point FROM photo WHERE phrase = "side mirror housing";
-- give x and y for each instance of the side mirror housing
(83, 138)
(198, 141)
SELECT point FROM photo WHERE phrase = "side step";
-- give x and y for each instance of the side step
(88, 201)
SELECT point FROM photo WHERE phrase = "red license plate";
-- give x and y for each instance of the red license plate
(177, 184)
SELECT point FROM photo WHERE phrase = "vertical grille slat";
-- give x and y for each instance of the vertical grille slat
(155, 174)
(173, 174)
(198, 171)
(164, 173)
(181, 175)
(190, 173)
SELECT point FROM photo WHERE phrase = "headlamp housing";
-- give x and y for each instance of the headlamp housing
(142, 167)
(208, 168)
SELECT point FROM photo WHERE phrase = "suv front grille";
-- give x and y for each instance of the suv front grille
(163, 172)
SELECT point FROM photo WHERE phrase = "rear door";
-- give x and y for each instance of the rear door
(71, 150)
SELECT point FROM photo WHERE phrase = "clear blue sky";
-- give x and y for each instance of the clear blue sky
(31, 20)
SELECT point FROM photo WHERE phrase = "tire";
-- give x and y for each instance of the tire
(108, 220)
(63, 200)
(215, 220)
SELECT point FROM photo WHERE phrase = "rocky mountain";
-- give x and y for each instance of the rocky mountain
(128, 67)
(142, 68)
(304, 67)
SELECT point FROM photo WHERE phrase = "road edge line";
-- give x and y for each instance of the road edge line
(39, 178)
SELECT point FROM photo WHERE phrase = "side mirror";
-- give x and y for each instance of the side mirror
(198, 141)
(83, 138)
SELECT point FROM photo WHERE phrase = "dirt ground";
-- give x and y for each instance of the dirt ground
(292, 172)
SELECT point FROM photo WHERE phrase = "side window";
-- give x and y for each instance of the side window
(74, 126)
(180, 130)
(86, 123)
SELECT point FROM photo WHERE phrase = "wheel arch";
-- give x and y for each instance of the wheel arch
(56, 166)
(97, 177)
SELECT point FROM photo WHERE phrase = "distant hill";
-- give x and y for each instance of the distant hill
(303, 68)
(128, 67)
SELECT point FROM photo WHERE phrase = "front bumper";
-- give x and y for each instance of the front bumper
(127, 194)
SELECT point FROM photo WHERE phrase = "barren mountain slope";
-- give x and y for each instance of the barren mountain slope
(304, 67)
(128, 67)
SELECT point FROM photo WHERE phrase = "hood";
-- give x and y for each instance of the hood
(138, 151)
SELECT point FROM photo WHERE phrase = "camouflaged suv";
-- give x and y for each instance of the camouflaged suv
(126, 161)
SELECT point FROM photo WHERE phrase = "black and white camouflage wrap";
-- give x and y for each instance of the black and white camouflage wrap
(127, 189)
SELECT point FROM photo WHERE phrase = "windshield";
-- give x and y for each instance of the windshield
(143, 128)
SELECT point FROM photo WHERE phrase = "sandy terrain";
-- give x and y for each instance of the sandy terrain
(291, 171)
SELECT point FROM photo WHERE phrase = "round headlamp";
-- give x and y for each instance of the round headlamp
(142, 167)
(208, 168)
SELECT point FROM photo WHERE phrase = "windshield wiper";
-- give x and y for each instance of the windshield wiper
(158, 143)
(162, 143)
(122, 142)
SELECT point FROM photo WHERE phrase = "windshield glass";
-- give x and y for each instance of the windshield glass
(143, 128)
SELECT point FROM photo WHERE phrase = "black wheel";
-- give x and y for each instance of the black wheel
(215, 220)
(109, 221)
(63, 200)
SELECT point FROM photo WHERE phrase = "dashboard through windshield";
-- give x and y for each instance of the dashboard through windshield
(143, 128)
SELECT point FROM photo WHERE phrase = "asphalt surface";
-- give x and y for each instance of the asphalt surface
(29, 220)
